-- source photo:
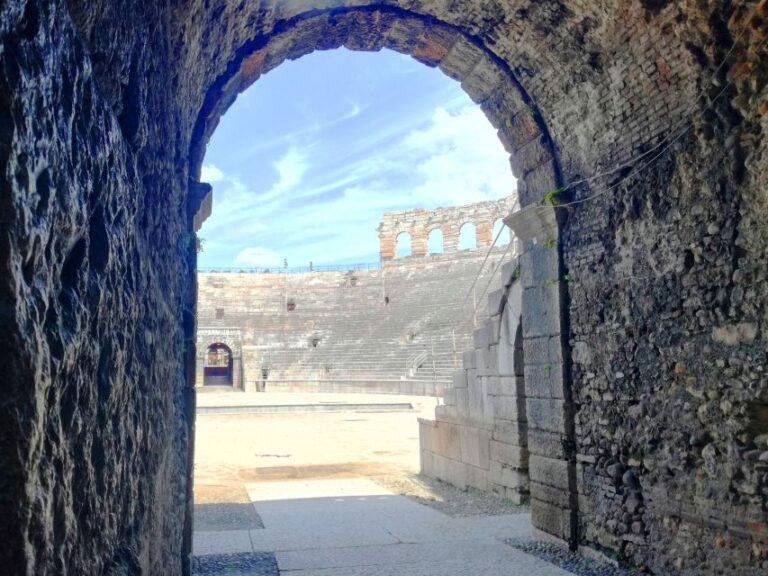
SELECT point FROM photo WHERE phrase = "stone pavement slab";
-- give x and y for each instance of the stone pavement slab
(355, 527)
(221, 542)
(226, 516)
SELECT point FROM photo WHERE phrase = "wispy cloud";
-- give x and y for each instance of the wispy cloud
(258, 256)
(312, 182)
(211, 174)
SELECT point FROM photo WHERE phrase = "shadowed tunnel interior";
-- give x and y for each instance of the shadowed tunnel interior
(636, 131)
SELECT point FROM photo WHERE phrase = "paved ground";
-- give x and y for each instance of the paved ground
(355, 527)
(321, 494)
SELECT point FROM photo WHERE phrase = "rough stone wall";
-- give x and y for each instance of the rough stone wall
(419, 223)
(479, 435)
(665, 272)
(93, 429)
(667, 323)
(669, 351)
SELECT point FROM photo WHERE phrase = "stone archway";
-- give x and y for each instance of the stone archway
(655, 276)
(217, 369)
(522, 130)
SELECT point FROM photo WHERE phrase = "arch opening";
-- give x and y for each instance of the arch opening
(403, 245)
(468, 236)
(217, 370)
(435, 242)
(485, 79)
(499, 226)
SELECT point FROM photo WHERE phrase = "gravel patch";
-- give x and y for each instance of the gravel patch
(571, 561)
(247, 564)
(448, 499)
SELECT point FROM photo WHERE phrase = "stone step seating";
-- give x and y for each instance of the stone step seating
(360, 337)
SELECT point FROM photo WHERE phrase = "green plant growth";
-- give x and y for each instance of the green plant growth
(549, 243)
(553, 197)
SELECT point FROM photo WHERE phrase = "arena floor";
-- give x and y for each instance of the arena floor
(317, 493)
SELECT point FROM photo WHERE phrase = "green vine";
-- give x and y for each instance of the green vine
(553, 197)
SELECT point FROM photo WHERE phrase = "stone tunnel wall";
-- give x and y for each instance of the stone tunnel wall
(419, 223)
(651, 297)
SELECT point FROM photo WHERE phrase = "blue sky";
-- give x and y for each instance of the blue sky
(308, 158)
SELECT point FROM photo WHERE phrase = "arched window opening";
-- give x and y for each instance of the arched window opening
(403, 245)
(435, 242)
(218, 366)
(504, 238)
(468, 236)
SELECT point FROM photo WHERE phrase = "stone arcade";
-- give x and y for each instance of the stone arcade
(643, 314)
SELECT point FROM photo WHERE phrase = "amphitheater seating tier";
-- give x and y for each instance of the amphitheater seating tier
(341, 329)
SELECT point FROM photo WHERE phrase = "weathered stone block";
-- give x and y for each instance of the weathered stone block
(427, 429)
(539, 181)
(544, 380)
(447, 440)
(542, 306)
(508, 454)
(461, 59)
(507, 476)
(510, 432)
(544, 350)
(548, 471)
(483, 336)
(512, 385)
(462, 401)
(476, 400)
(483, 80)
(550, 495)
(450, 471)
(545, 414)
(509, 408)
(493, 386)
(545, 443)
(539, 266)
(551, 519)
(460, 379)
(468, 359)
(475, 446)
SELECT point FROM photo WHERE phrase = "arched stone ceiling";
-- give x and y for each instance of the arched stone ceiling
(485, 78)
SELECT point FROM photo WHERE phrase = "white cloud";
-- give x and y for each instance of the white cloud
(459, 159)
(291, 168)
(355, 112)
(258, 256)
(211, 174)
